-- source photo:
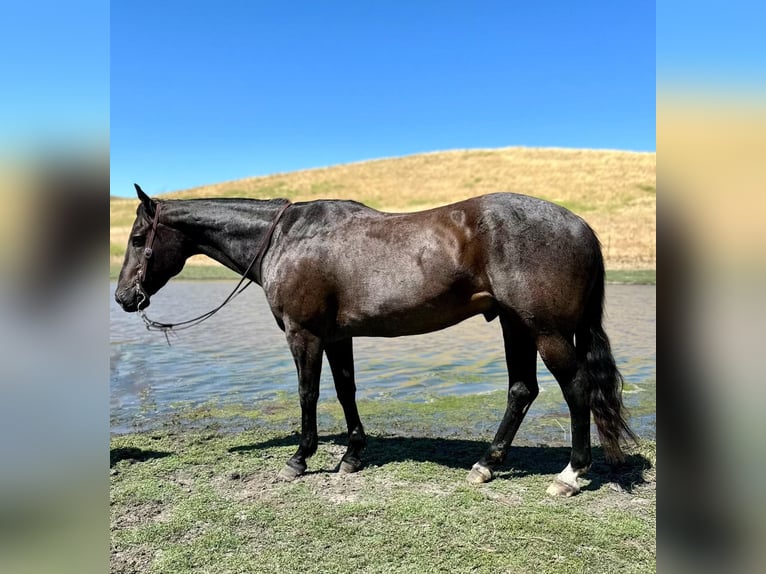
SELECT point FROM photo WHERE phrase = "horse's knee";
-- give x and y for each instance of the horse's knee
(308, 397)
(522, 392)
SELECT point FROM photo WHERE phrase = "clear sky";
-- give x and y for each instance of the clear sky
(203, 92)
(54, 75)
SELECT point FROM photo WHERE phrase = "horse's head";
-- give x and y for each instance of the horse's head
(155, 253)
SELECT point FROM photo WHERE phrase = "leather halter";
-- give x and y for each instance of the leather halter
(149, 244)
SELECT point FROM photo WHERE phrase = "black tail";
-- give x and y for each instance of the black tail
(604, 380)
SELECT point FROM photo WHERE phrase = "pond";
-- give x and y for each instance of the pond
(240, 357)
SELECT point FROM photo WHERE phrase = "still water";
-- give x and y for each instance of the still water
(240, 356)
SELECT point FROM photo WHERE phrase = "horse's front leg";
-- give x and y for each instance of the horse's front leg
(341, 358)
(307, 353)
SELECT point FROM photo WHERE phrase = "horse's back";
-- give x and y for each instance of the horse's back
(390, 274)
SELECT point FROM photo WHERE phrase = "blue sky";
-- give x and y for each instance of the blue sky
(708, 47)
(54, 75)
(203, 92)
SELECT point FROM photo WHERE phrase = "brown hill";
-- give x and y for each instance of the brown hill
(615, 191)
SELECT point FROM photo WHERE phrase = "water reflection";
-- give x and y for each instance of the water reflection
(240, 356)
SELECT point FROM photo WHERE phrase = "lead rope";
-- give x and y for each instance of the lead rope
(167, 328)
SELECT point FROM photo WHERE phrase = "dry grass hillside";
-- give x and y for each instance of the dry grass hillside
(614, 191)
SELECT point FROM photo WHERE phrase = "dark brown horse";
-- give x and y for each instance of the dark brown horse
(334, 270)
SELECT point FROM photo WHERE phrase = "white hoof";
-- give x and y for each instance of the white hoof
(479, 474)
(561, 488)
(565, 484)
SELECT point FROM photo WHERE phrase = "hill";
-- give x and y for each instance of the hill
(615, 191)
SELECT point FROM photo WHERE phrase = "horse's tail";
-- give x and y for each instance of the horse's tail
(597, 365)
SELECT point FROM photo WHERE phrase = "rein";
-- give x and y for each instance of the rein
(257, 261)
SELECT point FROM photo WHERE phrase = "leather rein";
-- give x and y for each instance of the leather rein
(256, 263)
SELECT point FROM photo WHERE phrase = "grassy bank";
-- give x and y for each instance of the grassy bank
(627, 276)
(190, 272)
(632, 276)
(206, 500)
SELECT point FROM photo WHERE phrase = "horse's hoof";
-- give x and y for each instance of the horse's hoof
(560, 488)
(290, 473)
(479, 474)
(348, 467)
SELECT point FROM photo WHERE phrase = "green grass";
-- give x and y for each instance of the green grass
(205, 500)
(195, 494)
(116, 250)
(632, 277)
(210, 272)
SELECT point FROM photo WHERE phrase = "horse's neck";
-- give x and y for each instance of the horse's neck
(227, 231)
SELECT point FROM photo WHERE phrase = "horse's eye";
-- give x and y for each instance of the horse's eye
(137, 241)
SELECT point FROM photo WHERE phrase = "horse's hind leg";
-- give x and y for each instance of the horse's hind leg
(341, 358)
(521, 360)
(559, 356)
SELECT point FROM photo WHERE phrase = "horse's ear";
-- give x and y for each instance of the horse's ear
(149, 204)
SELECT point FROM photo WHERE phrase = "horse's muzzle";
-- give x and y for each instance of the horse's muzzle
(131, 299)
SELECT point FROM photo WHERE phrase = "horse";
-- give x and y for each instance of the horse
(333, 270)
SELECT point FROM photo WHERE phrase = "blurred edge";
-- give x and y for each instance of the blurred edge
(53, 364)
(54, 182)
(711, 141)
(712, 144)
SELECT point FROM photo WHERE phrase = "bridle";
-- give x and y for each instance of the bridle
(147, 253)
(255, 264)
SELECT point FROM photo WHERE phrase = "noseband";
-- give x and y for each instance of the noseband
(255, 265)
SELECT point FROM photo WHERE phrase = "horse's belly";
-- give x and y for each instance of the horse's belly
(395, 319)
